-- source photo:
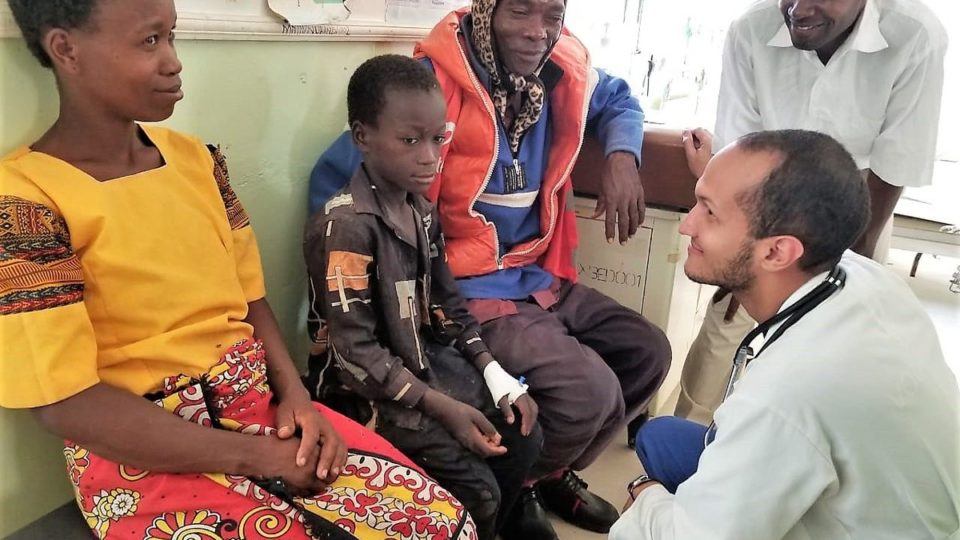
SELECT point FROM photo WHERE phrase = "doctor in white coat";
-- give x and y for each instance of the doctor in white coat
(846, 423)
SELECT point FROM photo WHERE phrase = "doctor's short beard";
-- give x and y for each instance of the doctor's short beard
(735, 275)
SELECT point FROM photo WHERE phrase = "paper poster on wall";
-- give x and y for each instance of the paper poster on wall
(420, 12)
(310, 12)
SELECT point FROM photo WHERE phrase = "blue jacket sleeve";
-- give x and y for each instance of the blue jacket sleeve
(615, 116)
(333, 170)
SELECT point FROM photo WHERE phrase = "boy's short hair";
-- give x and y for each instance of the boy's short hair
(369, 84)
(34, 17)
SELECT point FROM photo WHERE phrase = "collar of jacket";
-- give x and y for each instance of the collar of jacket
(366, 201)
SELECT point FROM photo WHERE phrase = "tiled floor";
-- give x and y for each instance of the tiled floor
(618, 465)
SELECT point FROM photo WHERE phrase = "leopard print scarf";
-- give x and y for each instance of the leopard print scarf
(506, 85)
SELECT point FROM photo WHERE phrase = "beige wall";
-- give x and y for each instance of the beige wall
(273, 107)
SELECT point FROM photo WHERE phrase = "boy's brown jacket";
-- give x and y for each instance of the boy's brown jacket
(376, 294)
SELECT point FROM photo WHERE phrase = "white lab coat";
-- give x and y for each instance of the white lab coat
(847, 426)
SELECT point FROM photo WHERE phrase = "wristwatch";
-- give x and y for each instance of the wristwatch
(642, 479)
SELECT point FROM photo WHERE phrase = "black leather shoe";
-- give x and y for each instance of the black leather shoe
(633, 427)
(528, 520)
(568, 497)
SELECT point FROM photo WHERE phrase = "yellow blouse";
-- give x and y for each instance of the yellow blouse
(123, 282)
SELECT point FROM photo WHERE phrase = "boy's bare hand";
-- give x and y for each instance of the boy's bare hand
(474, 431)
(468, 425)
(528, 412)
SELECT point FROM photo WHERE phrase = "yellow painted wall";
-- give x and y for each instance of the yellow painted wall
(273, 107)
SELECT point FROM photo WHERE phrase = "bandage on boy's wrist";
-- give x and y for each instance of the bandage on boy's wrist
(500, 383)
(517, 392)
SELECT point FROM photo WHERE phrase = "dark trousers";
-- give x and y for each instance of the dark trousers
(591, 363)
(487, 487)
(669, 449)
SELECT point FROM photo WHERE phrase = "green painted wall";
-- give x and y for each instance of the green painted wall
(273, 107)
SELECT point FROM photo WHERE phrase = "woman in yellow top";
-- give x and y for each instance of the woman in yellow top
(128, 268)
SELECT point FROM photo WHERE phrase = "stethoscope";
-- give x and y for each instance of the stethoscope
(788, 317)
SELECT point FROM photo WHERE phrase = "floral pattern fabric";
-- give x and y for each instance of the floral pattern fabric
(379, 495)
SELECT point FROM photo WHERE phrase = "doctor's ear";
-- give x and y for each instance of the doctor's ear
(781, 252)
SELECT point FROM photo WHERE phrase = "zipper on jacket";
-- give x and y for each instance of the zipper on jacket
(496, 152)
(566, 173)
(416, 331)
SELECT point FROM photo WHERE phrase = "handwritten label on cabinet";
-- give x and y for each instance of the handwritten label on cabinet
(610, 275)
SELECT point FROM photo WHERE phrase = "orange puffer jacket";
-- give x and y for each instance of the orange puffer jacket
(468, 161)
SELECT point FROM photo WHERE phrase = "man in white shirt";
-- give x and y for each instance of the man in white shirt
(867, 72)
(846, 424)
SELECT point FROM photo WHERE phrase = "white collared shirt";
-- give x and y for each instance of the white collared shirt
(847, 426)
(879, 95)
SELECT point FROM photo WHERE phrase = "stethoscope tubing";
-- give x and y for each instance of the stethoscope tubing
(788, 317)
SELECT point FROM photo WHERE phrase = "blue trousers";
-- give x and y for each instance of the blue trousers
(669, 449)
